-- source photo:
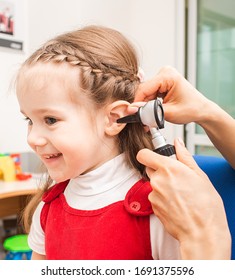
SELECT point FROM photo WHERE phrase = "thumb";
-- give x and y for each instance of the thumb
(184, 156)
(171, 110)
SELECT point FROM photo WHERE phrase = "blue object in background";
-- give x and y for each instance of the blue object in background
(222, 176)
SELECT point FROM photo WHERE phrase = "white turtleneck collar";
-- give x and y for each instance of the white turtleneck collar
(102, 186)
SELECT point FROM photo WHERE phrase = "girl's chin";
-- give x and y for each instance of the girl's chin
(58, 178)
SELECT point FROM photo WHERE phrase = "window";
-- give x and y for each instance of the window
(213, 68)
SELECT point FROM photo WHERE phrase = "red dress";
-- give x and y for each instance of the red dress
(119, 231)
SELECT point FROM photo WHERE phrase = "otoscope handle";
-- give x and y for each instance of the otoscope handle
(167, 150)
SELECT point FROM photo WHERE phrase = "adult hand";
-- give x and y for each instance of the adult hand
(187, 204)
(182, 103)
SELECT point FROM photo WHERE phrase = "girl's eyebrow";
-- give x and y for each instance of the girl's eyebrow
(44, 111)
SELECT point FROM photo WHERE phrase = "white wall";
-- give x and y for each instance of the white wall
(150, 24)
(12, 128)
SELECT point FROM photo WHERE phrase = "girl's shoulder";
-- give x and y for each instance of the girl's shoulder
(136, 200)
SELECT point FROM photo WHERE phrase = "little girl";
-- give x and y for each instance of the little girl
(95, 203)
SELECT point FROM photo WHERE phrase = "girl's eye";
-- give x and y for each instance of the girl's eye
(28, 121)
(50, 120)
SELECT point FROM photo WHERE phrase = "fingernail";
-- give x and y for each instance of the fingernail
(180, 141)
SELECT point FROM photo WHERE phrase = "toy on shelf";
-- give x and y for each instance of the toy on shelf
(18, 170)
(10, 168)
(7, 168)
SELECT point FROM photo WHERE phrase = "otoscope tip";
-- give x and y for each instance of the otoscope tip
(129, 119)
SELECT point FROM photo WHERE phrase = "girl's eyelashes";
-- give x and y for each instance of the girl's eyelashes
(28, 120)
(50, 120)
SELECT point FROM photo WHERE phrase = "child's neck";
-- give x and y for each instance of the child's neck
(102, 186)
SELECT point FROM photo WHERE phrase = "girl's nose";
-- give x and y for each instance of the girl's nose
(35, 138)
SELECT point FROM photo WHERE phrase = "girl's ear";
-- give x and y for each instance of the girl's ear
(114, 111)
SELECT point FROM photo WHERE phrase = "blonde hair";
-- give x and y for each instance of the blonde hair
(108, 69)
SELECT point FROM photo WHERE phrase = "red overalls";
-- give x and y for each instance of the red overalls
(119, 231)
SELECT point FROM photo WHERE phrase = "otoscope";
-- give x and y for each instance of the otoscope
(152, 115)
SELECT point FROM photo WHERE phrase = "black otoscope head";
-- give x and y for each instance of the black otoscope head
(151, 114)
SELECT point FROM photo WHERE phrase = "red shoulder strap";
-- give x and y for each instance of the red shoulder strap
(48, 196)
(136, 200)
(54, 191)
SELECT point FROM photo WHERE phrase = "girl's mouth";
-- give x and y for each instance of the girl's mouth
(52, 156)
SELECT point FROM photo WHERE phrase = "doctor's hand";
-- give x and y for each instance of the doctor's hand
(182, 103)
(187, 204)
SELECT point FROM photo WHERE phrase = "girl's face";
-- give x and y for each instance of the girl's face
(64, 128)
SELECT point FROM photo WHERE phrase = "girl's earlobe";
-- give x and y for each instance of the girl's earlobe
(115, 110)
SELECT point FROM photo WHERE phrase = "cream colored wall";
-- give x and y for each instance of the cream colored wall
(151, 24)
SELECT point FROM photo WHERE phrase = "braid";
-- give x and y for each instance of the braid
(55, 52)
(95, 71)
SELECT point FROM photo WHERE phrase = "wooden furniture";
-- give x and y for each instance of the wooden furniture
(14, 196)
